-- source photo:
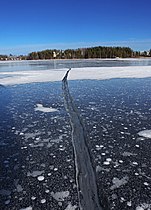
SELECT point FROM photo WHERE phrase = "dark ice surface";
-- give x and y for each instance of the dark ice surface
(35, 144)
(114, 111)
(36, 154)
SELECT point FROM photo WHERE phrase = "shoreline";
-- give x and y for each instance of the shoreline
(76, 59)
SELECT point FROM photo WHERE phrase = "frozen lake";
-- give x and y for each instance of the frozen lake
(10, 66)
(36, 153)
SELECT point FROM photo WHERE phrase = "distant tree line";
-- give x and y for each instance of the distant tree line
(3, 57)
(11, 57)
(86, 53)
(81, 53)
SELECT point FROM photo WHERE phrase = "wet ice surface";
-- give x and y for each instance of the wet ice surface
(37, 162)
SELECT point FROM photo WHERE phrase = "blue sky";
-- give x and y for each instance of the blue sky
(33, 25)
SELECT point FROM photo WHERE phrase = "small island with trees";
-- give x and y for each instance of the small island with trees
(81, 53)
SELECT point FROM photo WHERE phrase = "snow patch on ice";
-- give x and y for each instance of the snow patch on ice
(19, 188)
(127, 154)
(135, 163)
(129, 203)
(119, 182)
(60, 196)
(146, 184)
(43, 201)
(35, 173)
(58, 140)
(99, 168)
(70, 207)
(5, 192)
(145, 133)
(144, 206)
(40, 178)
(41, 108)
(33, 198)
(7, 202)
(27, 208)
(106, 163)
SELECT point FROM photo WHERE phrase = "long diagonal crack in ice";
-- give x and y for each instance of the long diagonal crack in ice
(85, 176)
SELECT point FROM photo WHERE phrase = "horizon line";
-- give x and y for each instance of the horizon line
(28, 48)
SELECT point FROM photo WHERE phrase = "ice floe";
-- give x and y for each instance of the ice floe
(145, 133)
(41, 108)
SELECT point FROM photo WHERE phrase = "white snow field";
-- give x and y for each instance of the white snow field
(96, 73)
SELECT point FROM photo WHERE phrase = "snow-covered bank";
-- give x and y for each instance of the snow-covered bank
(98, 73)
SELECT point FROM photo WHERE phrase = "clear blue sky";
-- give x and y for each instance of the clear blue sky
(30, 25)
